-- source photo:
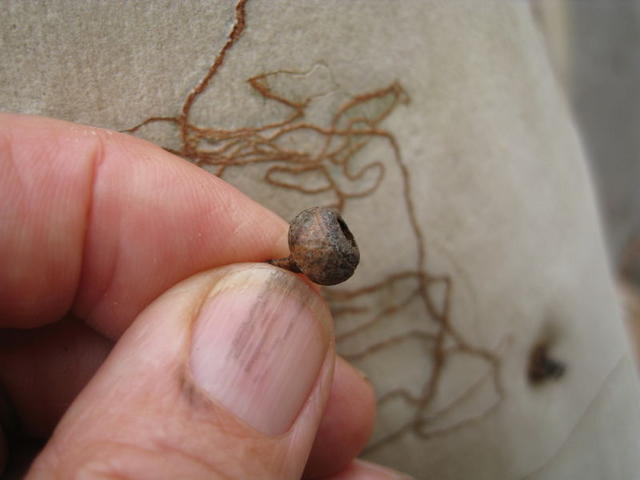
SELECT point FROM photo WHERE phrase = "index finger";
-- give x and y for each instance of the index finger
(101, 223)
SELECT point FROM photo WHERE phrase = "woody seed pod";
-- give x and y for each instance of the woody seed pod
(321, 246)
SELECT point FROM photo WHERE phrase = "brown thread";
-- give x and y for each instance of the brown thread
(349, 132)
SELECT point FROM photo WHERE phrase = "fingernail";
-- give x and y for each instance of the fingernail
(258, 345)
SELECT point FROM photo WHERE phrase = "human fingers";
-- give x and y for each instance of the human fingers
(48, 148)
(361, 470)
(111, 221)
(226, 375)
(346, 425)
(46, 142)
(44, 369)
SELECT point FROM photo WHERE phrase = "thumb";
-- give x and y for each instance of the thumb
(224, 376)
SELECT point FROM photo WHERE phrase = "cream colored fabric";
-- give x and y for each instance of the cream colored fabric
(440, 130)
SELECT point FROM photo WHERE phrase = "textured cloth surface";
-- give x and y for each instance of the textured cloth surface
(441, 133)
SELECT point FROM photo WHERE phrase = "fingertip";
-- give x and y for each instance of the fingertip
(362, 470)
(346, 425)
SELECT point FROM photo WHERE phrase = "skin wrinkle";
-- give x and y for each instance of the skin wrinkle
(97, 161)
(98, 467)
(168, 447)
(19, 186)
(27, 235)
(93, 153)
(7, 146)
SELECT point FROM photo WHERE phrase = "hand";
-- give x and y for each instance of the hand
(230, 373)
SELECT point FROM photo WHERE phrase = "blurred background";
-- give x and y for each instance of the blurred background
(594, 46)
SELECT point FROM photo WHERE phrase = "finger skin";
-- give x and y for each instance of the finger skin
(112, 221)
(361, 470)
(42, 370)
(346, 425)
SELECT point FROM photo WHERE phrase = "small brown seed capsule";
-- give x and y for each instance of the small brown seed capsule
(543, 367)
(322, 247)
